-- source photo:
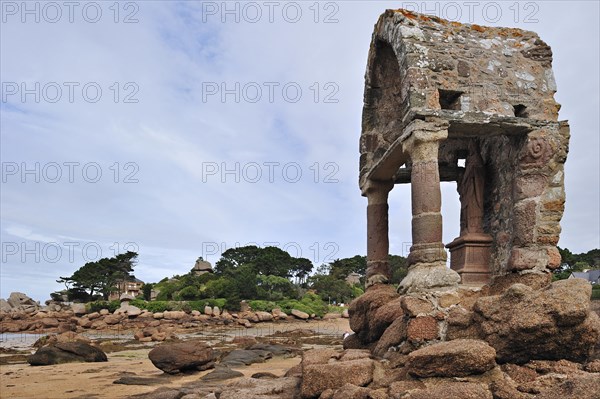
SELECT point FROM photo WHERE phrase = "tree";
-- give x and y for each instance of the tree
(301, 269)
(235, 257)
(324, 269)
(275, 262)
(275, 288)
(264, 261)
(166, 291)
(102, 276)
(242, 285)
(188, 293)
(331, 289)
(572, 263)
(341, 268)
(399, 267)
(147, 291)
(567, 257)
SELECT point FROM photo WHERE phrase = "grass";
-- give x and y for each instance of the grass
(596, 292)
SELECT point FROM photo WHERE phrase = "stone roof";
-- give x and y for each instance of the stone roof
(590, 275)
(496, 67)
(482, 80)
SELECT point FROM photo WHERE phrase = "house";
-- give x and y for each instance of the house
(593, 276)
(131, 286)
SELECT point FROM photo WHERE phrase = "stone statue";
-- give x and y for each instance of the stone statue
(470, 188)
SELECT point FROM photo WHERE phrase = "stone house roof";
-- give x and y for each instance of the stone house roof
(593, 276)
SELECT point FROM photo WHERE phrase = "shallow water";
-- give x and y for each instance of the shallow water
(20, 341)
(26, 340)
(210, 333)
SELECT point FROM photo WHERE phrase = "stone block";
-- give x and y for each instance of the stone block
(423, 328)
(463, 69)
(524, 222)
(458, 358)
(547, 239)
(320, 377)
(554, 258)
(529, 186)
(527, 258)
(393, 335)
(413, 305)
(554, 206)
(448, 299)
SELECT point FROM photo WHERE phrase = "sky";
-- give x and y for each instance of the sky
(181, 129)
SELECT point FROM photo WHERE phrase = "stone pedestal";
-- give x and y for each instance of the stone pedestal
(470, 258)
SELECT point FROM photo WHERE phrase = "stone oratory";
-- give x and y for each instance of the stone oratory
(474, 105)
(445, 101)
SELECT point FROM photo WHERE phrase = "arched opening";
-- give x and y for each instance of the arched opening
(385, 103)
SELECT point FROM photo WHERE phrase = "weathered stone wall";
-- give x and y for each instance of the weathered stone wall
(539, 199)
(501, 155)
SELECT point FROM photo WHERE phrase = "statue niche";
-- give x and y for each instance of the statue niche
(470, 252)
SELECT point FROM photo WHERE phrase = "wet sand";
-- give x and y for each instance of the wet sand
(95, 380)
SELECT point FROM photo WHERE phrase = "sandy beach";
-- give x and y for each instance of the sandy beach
(96, 380)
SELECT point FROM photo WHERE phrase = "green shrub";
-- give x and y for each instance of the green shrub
(140, 303)
(165, 293)
(264, 306)
(596, 292)
(152, 306)
(335, 309)
(201, 304)
(188, 293)
(97, 306)
(156, 306)
(357, 291)
(290, 304)
(198, 305)
(184, 306)
(310, 303)
(220, 302)
(232, 303)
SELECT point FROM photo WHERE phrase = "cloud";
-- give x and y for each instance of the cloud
(177, 91)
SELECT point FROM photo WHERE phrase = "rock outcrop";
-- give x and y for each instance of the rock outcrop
(458, 358)
(66, 352)
(300, 314)
(372, 312)
(201, 267)
(157, 334)
(524, 324)
(324, 370)
(521, 322)
(18, 299)
(190, 355)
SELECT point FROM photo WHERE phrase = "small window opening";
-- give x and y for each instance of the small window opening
(521, 111)
(462, 162)
(450, 99)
